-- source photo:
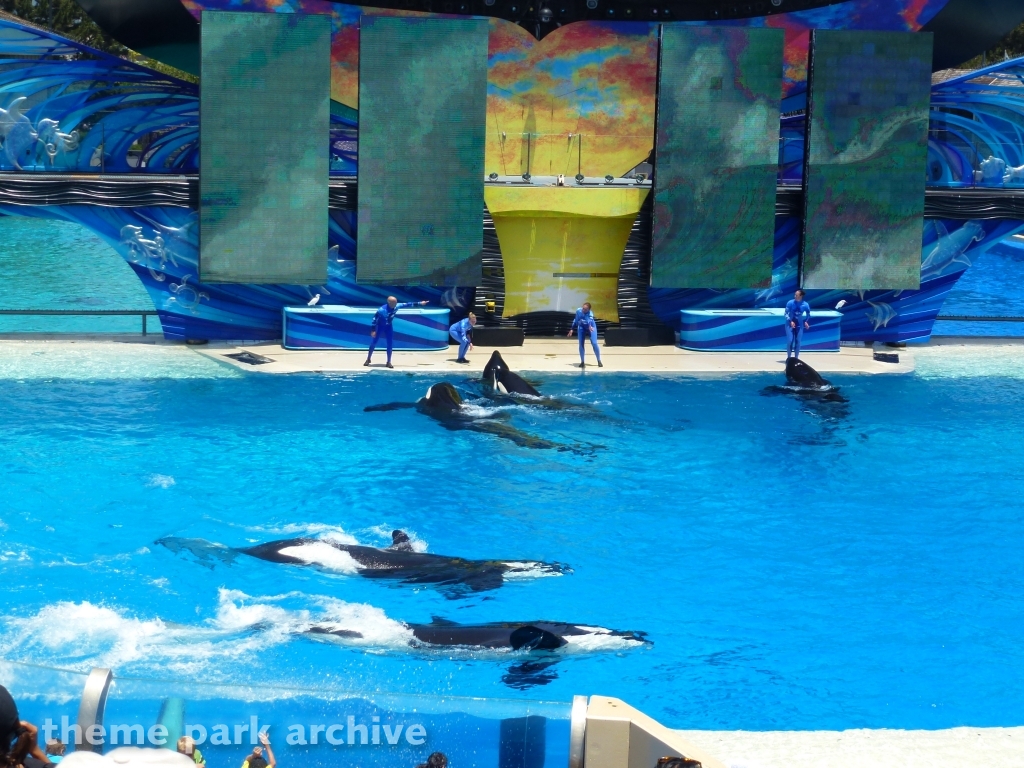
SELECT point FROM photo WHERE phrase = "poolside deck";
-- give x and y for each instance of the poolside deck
(556, 356)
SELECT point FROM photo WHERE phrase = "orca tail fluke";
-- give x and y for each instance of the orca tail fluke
(207, 553)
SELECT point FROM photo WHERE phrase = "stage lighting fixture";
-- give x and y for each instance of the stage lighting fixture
(546, 14)
(493, 176)
(579, 178)
(591, 4)
(609, 178)
(526, 177)
(641, 177)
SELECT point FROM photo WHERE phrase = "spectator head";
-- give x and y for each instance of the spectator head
(15, 739)
(187, 745)
(10, 723)
(436, 760)
(55, 747)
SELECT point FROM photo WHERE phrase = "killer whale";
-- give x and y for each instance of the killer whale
(398, 562)
(500, 378)
(516, 636)
(804, 381)
(443, 403)
(504, 385)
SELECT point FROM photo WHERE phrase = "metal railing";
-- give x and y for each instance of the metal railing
(981, 318)
(143, 313)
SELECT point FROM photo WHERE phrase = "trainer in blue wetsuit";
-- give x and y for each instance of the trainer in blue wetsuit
(462, 333)
(382, 324)
(585, 324)
(798, 315)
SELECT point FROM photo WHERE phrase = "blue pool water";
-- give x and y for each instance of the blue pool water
(795, 566)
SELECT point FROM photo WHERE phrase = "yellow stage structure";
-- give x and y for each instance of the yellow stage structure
(562, 246)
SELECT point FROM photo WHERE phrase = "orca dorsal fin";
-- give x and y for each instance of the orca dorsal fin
(438, 621)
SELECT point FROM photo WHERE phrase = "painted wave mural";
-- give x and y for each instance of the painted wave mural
(65, 108)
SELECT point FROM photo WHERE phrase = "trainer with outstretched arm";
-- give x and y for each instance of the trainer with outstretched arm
(462, 332)
(586, 325)
(382, 324)
(798, 316)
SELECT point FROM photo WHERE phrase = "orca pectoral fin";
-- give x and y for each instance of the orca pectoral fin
(531, 638)
(520, 438)
(347, 634)
(388, 407)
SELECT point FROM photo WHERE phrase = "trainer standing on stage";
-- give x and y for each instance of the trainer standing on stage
(462, 332)
(798, 315)
(382, 324)
(585, 325)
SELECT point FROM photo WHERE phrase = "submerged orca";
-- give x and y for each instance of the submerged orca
(398, 562)
(517, 636)
(803, 380)
(500, 378)
(444, 404)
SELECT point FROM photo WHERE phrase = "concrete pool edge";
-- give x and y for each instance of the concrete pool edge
(617, 735)
(556, 356)
(965, 746)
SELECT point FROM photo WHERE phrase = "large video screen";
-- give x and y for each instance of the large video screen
(422, 120)
(867, 146)
(716, 157)
(264, 140)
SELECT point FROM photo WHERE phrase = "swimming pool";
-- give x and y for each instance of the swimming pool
(793, 565)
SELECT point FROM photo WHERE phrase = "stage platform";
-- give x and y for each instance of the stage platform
(754, 330)
(336, 326)
(553, 356)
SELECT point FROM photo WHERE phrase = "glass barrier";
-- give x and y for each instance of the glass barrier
(311, 728)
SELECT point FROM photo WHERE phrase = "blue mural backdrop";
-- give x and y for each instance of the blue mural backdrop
(66, 108)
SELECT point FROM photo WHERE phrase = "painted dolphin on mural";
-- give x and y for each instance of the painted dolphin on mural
(399, 561)
(880, 314)
(803, 380)
(516, 636)
(445, 405)
(949, 249)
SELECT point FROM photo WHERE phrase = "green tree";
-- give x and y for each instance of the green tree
(1010, 47)
(67, 19)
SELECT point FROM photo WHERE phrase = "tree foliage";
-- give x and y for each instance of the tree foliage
(1010, 47)
(66, 18)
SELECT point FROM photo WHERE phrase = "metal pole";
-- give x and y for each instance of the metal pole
(577, 732)
(90, 709)
(143, 323)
